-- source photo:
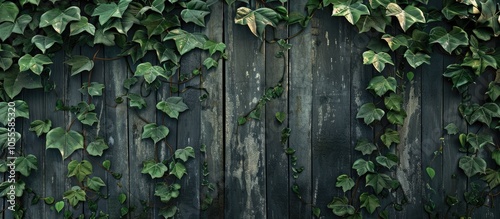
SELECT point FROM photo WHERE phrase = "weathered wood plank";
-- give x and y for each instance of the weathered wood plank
(331, 107)
(245, 153)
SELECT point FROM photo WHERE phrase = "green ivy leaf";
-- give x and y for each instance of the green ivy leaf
(472, 165)
(390, 136)
(5, 187)
(79, 169)
(344, 181)
(485, 113)
(454, 8)
(459, 75)
(20, 109)
(155, 170)
(369, 202)
(341, 206)
(4, 137)
(87, 118)
(95, 183)
(82, 25)
(374, 4)
(9, 11)
(379, 181)
(210, 63)
(96, 147)
(493, 91)
(495, 155)
(478, 141)
(136, 101)
(449, 40)
(362, 166)
(492, 177)
(396, 118)
(369, 113)
(451, 129)
(7, 53)
(186, 41)
(195, 12)
(375, 21)
(365, 147)
(93, 89)
(388, 161)
(40, 127)
(395, 42)
(44, 42)
(378, 60)
(394, 102)
(157, 24)
(257, 20)
(381, 85)
(7, 28)
(155, 132)
(34, 64)
(350, 9)
(178, 170)
(165, 53)
(106, 38)
(214, 47)
(59, 206)
(122, 198)
(489, 16)
(280, 116)
(106, 164)
(417, 59)
(59, 19)
(184, 153)
(79, 64)
(316, 212)
(109, 10)
(150, 72)
(407, 17)
(172, 106)
(66, 142)
(24, 165)
(74, 195)
(49, 200)
(168, 212)
(430, 172)
(167, 192)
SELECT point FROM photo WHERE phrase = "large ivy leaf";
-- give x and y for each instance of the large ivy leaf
(382, 85)
(195, 12)
(7, 28)
(165, 53)
(453, 8)
(150, 72)
(485, 113)
(172, 106)
(20, 109)
(79, 64)
(66, 142)
(388, 161)
(492, 177)
(376, 21)
(365, 147)
(33, 63)
(459, 75)
(362, 166)
(344, 181)
(59, 19)
(390, 136)
(4, 138)
(257, 20)
(369, 113)
(5, 187)
(350, 9)
(417, 59)
(7, 53)
(108, 10)
(493, 91)
(106, 38)
(24, 165)
(396, 118)
(184, 153)
(15, 81)
(154, 169)
(449, 40)
(97, 147)
(158, 24)
(82, 25)
(478, 141)
(40, 127)
(75, 195)
(167, 192)
(379, 181)
(136, 101)
(407, 17)
(472, 165)
(168, 212)
(395, 42)
(155, 132)
(95, 183)
(92, 89)
(9, 11)
(393, 102)
(186, 41)
(44, 42)
(369, 202)
(341, 206)
(178, 170)
(489, 16)
(378, 60)
(79, 169)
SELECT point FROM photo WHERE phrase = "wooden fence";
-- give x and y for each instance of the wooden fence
(324, 84)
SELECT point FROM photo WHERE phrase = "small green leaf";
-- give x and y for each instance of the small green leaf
(66, 142)
(167, 192)
(79, 169)
(9, 11)
(19, 108)
(210, 63)
(493, 91)
(370, 113)
(195, 12)
(242, 120)
(136, 101)
(407, 17)
(214, 47)
(150, 72)
(49, 200)
(280, 116)
(341, 206)
(44, 42)
(59, 206)
(430, 172)
(485, 113)
(449, 40)
(382, 85)
(451, 129)
(184, 153)
(40, 127)
(362, 166)
(394, 102)
(155, 170)
(172, 106)
(35, 64)
(390, 136)
(459, 75)
(96, 147)
(379, 181)
(179, 170)
(410, 76)
(350, 9)
(396, 118)
(24, 165)
(365, 147)
(155, 132)
(378, 60)
(93, 89)
(168, 212)
(369, 202)
(81, 26)
(106, 164)
(122, 198)
(74, 195)
(344, 181)
(492, 177)
(109, 10)
(95, 183)
(395, 42)
(388, 161)
(417, 59)
(472, 165)
(316, 212)
(478, 141)
(157, 24)
(186, 41)
(79, 64)
(257, 20)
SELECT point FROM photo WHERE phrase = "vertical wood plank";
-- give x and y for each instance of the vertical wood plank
(302, 55)
(212, 118)
(245, 153)
(331, 107)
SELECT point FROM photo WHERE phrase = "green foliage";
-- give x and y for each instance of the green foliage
(257, 20)
(66, 142)
(172, 106)
(155, 132)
